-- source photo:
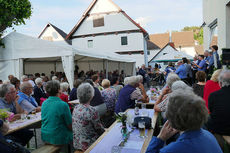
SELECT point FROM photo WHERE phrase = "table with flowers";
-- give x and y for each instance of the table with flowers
(112, 140)
(29, 121)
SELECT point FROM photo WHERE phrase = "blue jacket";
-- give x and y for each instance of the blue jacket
(199, 141)
(182, 71)
(30, 99)
(124, 101)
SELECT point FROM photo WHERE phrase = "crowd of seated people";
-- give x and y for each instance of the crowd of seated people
(182, 106)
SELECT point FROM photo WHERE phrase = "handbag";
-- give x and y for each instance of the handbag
(15, 147)
(146, 119)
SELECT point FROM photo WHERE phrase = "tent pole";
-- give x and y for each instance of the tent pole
(55, 66)
(119, 67)
(107, 67)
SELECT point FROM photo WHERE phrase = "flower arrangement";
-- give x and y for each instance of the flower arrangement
(6, 115)
(154, 91)
(122, 117)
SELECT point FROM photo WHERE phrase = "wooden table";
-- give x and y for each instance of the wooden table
(21, 124)
(227, 139)
(74, 102)
(113, 136)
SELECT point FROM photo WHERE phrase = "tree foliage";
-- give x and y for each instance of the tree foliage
(198, 33)
(13, 12)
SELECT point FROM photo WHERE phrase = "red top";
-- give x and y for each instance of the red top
(65, 98)
(209, 88)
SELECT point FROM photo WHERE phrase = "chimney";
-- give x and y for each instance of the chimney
(172, 44)
(170, 36)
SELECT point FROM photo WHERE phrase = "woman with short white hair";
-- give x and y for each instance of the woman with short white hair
(172, 77)
(161, 107)
(186, 114)
(109, 95)
(129, 94)
(39, 91)
(64, 96)
(86, 121)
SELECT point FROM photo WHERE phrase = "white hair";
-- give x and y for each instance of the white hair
(172, 77)
(4, 89)
(140, 78)
(24, 77)
(6, 82)
(224, 78)
(180, 85)
(64, 86)
(126, 80)
(25, 85)
(133, 80)
(85, 93)
(38, 81)
(54, 78)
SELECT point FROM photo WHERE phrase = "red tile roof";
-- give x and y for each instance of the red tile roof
(183, 39)
(199, 50)
(160, 40)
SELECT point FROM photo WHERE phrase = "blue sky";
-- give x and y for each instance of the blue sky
(156, 16)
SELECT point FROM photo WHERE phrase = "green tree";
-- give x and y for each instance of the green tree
(198, 33)
(13, 12)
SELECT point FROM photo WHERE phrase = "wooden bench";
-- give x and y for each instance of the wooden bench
(48, 149)
(227, 139)
(78, 151)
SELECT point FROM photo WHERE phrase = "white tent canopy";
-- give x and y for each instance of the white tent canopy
(27, 55)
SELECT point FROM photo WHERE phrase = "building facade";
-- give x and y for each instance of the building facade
(216, 16)
(105, 27)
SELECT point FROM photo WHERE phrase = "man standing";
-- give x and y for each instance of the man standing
(202, 64)
(144, 74)
(182, 71)
(217, 63)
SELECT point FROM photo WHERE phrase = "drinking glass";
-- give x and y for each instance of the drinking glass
(143, 106)
(23, 116)
(141, 127)
(116, 149)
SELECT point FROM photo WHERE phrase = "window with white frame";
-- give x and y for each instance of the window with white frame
(90, 43)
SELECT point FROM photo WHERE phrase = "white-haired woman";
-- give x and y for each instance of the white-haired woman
(64, 96)
(39, 91)
(186, 114)
(129, 94)
(172, 77)
(161, 107)
(108, 95)
(86, 121)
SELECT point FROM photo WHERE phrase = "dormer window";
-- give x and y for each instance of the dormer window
(98, 21)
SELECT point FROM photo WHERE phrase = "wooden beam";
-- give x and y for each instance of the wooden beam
(107, 33)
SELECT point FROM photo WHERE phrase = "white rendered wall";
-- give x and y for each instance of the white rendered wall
(112, 22)
(217, 9)
(110, 43)
(188, 50)
(49, 32)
